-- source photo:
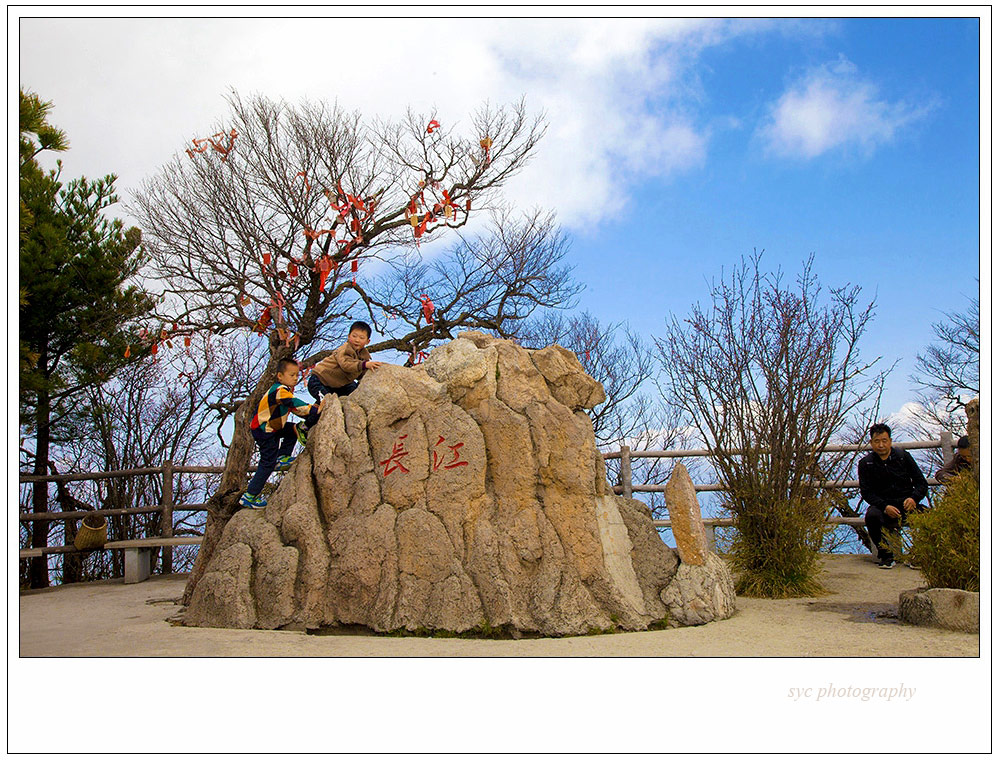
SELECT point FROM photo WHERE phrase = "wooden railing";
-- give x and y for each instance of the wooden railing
(626, 487)
(166, 508)
(168, 470)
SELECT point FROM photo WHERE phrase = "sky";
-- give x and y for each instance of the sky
(675, 146)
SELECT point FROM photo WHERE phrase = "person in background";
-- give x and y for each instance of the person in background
(960, 461)
(893, 486)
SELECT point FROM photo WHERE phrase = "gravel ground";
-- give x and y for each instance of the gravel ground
(856, 618)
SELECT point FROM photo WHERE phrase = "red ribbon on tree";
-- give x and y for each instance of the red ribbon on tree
(323, 266)
(262, 323)
(314, 234)
(432, 126)
(215, 142)
(427, 308)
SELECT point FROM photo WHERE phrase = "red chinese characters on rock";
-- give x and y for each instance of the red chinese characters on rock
(441, 459)
(394, 462)
(455, 461)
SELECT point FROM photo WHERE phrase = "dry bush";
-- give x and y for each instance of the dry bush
(946, 540)
(768, 374)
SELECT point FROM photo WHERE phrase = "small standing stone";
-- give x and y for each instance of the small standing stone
(684, 513)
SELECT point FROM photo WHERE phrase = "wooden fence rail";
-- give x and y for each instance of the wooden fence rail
(168, 470)
(625, 486)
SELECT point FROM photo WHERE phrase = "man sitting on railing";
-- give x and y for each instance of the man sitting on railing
(893, 486)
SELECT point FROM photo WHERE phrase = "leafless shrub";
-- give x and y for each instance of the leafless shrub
(767, 375)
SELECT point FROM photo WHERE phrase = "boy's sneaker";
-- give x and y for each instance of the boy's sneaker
(301, 433)
(256, 501)
(886, 563)
(913, 566)
(284, 462)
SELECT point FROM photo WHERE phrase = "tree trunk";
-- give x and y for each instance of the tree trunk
(72, 562)
(39, 573)
(225, 501)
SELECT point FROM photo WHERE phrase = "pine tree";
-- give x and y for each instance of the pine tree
(76, 304)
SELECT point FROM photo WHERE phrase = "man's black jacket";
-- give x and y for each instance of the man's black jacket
(891, 481)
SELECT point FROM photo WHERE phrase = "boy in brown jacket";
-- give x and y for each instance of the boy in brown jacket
(340, 371)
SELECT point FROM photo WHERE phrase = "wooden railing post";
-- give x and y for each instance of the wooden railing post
(946, 445)
(625, 471)
(166, 521)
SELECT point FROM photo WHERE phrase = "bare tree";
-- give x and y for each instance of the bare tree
(155, 410)
(768, 374)
(949, 370)
(491, 282)
(279, 221)
(947, 376)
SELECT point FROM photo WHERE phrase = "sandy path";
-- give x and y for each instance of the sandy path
(855, 619)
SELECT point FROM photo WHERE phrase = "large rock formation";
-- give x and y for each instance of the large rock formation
(463, 494)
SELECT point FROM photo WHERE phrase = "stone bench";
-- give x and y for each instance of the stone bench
(138, 553)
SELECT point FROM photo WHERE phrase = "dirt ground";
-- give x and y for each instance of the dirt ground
(856, 618)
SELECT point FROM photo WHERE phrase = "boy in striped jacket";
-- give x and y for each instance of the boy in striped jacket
(275, 435)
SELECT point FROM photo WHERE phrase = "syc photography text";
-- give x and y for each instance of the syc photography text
(832, 691)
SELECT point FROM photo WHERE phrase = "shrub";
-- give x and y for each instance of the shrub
(946, 540)
(774, 551)
(767, 374)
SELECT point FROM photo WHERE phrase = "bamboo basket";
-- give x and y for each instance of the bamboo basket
(92, 533)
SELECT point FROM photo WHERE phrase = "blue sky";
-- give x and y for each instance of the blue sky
(896, 215)
(675, 146)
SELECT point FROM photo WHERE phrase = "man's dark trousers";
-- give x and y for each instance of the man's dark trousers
(877, 521)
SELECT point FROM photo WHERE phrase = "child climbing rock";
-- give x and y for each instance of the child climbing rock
(339, 372)
(274, 434)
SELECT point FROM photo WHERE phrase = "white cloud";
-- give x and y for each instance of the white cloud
(131, 92)
(833, 107)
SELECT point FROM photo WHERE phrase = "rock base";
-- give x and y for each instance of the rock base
(953, 609)
(699, 594)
